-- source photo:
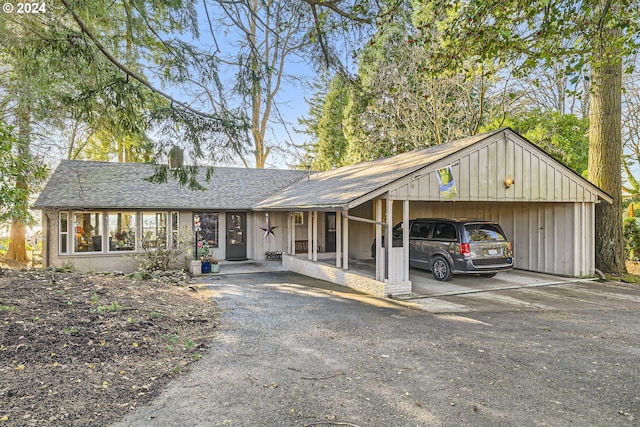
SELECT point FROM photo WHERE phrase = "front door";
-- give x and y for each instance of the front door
(236, 239)
(330, 232)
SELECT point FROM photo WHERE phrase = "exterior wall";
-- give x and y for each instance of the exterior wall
(480, 170)
(257, 243)
(554, 238)
(361, 234)
(105, 261)
(82, 261)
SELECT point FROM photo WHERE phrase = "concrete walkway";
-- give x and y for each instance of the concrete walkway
(246, 267)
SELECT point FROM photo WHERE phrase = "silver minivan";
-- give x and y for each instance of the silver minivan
(451, 246)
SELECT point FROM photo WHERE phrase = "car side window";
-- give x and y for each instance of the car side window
(444, 231)
(420, 230)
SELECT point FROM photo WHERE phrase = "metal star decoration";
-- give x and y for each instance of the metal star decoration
(268, 231)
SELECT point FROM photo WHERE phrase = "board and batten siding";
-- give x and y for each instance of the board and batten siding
(548, 213)
(550, 238)
(480, 170)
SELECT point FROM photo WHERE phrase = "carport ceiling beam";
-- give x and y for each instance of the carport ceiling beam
(357, 218)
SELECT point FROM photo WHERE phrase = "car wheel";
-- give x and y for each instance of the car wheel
(440, 269)
(487, 275)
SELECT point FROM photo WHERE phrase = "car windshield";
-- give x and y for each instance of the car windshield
(484, 232)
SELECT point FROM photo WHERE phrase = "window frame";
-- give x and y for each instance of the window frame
(79, 230)
(63, 236)
(112, 247)
(165, 234)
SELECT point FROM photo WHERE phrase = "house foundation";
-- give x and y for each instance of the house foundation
(354, 280)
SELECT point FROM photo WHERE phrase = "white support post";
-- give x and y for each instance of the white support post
(314, 240)
(291, 229)
(345, 243)
(380, 273)
(389, 235)
(338, 238)
(310, 236)
(293, 235)
(405, 239)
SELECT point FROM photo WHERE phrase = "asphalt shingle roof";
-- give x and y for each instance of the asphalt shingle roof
(336, 188)
(102, 185)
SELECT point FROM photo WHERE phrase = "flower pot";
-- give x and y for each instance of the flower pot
(215, 268)
(206, 267)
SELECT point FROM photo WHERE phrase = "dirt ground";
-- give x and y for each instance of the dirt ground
(78, 350)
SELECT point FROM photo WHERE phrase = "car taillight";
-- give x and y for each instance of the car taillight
(465, 249)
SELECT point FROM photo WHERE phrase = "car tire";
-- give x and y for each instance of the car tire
(441, 269)
(487, 275)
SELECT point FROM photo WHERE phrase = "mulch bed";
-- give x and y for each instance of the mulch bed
(79, 349)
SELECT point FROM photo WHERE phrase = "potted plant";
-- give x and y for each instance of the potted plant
(204, 253)
(215, 266)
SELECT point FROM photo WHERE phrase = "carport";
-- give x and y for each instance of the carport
(546, 209)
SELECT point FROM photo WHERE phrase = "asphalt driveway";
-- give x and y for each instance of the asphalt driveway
(295, 351)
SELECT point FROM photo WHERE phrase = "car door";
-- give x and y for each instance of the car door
(418, 244)
(442, 241)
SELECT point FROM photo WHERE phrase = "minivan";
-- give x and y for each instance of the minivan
(448, 246)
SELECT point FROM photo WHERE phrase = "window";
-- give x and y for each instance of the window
(420, 230)
(88, 232)
(443, 231)
(63, 229)
(154, 230)
(175, 230)
(122, 231)
(484, 232)
(205, 226)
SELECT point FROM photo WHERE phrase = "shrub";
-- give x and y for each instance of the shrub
(631, 232)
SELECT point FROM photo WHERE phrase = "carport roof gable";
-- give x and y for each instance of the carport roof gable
(505, 134)
(350, 186)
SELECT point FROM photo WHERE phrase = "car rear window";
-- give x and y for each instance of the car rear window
(484, 232)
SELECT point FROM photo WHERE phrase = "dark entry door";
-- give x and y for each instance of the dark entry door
(330, 232)
(236, 239)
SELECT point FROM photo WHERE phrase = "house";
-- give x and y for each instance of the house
(97, 215)
(546, 209)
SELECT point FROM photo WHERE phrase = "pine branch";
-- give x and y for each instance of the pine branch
(85, 29)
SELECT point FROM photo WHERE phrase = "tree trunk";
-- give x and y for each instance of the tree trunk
(605, 159)
(17, 251)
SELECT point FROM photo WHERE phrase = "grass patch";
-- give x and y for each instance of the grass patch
(7, 308)
(114, 306)
(630, 278)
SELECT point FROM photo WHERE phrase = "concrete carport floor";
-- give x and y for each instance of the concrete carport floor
(425, 285)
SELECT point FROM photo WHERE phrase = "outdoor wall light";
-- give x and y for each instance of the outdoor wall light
(508, 182)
